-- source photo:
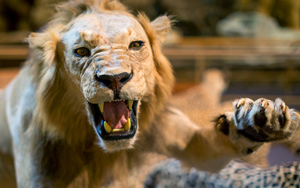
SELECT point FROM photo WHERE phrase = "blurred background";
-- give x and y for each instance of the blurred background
(252, 44)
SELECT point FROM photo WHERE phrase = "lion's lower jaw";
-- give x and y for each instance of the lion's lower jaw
(110, 146)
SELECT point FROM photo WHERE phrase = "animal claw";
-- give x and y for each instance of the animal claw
(241, 102)
(264, 103)
(283, 107)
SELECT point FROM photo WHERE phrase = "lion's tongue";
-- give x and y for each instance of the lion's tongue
(115, 114)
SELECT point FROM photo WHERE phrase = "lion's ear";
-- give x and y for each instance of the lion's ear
(37, 40)
(161, 25)
(47, 43)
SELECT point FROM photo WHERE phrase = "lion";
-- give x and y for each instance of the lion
(93, 95)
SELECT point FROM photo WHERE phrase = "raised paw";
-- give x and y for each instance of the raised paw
(264, 120)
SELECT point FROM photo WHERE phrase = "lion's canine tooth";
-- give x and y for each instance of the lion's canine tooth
(127, 125)
(118, 130)
(130, 103)
(107, 127)
(101, 107)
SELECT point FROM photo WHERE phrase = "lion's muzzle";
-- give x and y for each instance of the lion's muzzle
(114, 81)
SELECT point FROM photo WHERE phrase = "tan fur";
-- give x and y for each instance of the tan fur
(57, 116)
(48, 126)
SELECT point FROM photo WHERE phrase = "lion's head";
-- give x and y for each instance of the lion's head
(101, 67)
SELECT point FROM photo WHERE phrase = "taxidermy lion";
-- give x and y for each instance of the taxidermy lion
(94, 94)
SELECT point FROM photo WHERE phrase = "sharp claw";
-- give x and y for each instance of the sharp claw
(220, 121)
(264, 104)
(283, 107)
(241, 102)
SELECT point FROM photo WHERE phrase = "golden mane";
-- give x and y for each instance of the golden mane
(164, 78)
(69, 10)
(53, 86)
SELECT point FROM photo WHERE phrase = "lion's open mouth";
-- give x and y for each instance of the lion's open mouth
(115, 120)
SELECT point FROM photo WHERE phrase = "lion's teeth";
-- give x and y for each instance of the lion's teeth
(107, 127)
(119, 100)
(130, 103)
(101, 107)
(118, 130)
(127, 125)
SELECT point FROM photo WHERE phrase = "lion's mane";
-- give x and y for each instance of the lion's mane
(58, 115)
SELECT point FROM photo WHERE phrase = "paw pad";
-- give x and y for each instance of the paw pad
(222, 124)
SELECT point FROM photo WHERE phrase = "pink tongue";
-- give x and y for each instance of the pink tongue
(115, 114)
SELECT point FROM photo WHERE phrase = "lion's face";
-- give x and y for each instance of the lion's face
(97, 65)
(110, 58)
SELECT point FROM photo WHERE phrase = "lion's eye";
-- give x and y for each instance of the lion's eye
(136, 45)
(82, 52)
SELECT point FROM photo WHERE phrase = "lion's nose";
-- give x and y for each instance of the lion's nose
(113, 81)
